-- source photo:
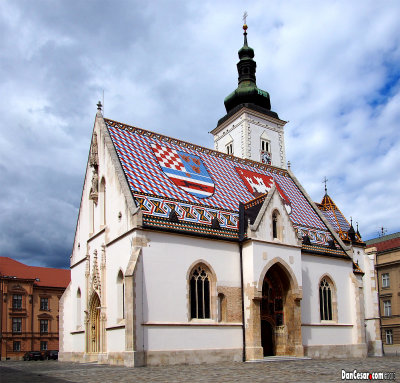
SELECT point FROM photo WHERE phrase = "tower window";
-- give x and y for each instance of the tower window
(265, 145)
(229, 148)
(265, 151)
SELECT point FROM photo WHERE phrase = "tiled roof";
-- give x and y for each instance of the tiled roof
(44, 276)
(201, 184)
(385, 242)
(336, 218)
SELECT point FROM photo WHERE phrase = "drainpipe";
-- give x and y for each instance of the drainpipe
(241, 237)
(379, 302)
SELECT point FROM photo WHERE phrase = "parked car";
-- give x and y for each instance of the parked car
(51, 354)
(33, 355)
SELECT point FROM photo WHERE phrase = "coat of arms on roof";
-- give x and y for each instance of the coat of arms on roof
(185, 170)
(259, 184)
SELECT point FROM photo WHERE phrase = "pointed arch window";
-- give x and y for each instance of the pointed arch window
(274, 225)
(78, 308)
(229, 148)
(325, 300)
(200, 293)
(103, 202)
(120, 295)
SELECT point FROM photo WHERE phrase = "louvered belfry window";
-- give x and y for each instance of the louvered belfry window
(200, 293)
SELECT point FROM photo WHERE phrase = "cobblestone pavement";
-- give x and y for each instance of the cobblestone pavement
(275, 371)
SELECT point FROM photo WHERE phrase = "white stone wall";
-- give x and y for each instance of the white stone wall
(339, 271)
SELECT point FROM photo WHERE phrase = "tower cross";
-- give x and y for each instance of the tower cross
(244, 17)
(325, 180)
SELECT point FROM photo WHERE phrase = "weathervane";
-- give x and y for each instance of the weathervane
(324, 181)
(244, 17)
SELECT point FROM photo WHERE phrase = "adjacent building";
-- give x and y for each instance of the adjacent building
(29, 305)
(185, 254)
(385, 251)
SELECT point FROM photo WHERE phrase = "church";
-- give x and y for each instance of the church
(185, 254)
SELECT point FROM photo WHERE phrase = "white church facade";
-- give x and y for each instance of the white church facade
(184, 254)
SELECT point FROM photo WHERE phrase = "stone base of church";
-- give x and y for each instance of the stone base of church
(64, 356)
(155, 358)
(336, 351)
(161, 358)
(254, 353)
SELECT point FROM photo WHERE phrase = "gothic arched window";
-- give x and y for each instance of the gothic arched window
(78, 308)
(325, 300)
(120, 295)
(200, 293)
(103, 202)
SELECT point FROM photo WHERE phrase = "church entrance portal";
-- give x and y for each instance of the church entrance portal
(94, 324)
(275, 290)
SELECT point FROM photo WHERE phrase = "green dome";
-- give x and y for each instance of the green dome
(246, 51)
(247, 91)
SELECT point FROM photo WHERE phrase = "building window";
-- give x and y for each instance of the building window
(265, 151)
(17, 345)
(229, 148)
(43, 345)
(325, 300)
(17, 301)
(120, 295)
(265, 145)
(17, 325)
(44, 304)
(389, 336)
(78, 308)
(275, 225)
(44, 326)
(200, 293)
(103, 201)
(387, 308)
(385, 280)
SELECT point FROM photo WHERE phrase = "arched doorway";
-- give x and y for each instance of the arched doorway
(94, 324)
(275, 290)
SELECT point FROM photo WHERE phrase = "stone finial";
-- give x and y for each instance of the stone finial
(99, 106)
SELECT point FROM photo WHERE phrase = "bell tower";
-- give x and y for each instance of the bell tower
(250, 129)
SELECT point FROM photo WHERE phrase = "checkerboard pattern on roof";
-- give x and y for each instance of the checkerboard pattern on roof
(337, 220)
(145, 175)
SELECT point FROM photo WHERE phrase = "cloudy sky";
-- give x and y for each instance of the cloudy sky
(331, 67)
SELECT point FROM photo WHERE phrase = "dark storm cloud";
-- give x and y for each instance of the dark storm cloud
(166, 66)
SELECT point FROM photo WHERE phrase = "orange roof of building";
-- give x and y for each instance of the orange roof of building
(336, 218)
(43, 276)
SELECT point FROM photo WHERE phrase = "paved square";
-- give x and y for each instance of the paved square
(276, 371)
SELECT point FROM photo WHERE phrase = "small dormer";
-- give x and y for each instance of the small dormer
(266, 218)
